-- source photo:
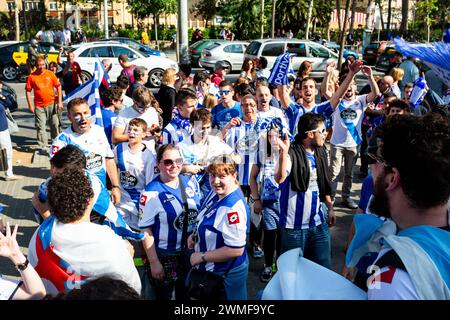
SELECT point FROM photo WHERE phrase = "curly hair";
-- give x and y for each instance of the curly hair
(420, 150)
(69, 156)
(69, 193)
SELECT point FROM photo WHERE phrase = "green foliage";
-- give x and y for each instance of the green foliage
(143, 9)
(244, 16)
(205, 8)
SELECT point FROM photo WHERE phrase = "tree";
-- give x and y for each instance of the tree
(389, 15)
(156, 8)
(244, 15)
(205, 8)
(405, 10)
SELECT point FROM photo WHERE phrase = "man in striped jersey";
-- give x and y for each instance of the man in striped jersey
(180, 127)
(302, 173)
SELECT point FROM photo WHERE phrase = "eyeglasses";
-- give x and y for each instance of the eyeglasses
(245, 105)
(170, 162)
(224, 92)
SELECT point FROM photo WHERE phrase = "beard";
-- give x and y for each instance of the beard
(380, 201)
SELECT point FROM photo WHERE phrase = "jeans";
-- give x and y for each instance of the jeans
(236, 282)
(44, 115)
(315, 243)
(349, 155)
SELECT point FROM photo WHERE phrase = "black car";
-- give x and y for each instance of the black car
(373, 51)
(385, 59)
(9, 68)
(10, 97)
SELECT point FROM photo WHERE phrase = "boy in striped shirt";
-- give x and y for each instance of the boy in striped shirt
(302, 173)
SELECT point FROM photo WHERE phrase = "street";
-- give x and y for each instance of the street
(16, 195)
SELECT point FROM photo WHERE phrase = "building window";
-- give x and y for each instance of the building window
(32, 5)
(53, 6)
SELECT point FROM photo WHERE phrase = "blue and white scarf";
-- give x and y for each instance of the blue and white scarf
(281, 69)
(182, 123)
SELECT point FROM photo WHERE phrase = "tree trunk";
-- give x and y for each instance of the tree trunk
(381, 15)
(369, 15)
(352, 21)
(16, 18)
(342, 37)
(338, 9)
(389, 15)
(405, 10)
(272, 31)
(262, 19)
(25, 20)
(64, 13)
(155, 19)
(308, 19)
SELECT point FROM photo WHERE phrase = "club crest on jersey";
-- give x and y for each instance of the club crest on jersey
(93, 161)
(233, 217)
(190, 192)
(348, 115)
(143, 200)
(127, 180)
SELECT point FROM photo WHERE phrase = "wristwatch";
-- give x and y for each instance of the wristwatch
(203, 257)
(114, 186)
(22, 266)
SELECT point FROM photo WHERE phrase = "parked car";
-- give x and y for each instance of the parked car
(137, 46)
(86, 53)
(232, 52)
(304, 50)
(196, 48)
(373, 50)
(347, 52)
(385, 59)
(15, 54)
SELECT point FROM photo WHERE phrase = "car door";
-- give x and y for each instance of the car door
(87, 58)
(234, 53)
(320, 56)
(116, 67)
(271, 51)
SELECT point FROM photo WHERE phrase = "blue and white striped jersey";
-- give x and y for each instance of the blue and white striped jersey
(267, 158)
(174, 134)
(223, 223)
(136, 170)
(295, 111)
(93, 143)
(243, 139)
(301, 210)
(161, 208)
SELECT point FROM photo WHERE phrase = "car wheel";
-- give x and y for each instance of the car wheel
(85, 76)
(155, 77)
(228, 65)
(10, 72)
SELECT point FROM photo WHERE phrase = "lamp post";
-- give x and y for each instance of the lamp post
(105, 15)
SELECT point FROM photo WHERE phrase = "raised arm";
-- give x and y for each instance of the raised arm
(374, 90)
(353, 69)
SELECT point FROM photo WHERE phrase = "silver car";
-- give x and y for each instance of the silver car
(304, 50)
(232, 52)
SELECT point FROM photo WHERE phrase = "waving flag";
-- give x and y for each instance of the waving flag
(281, 69)
(90, 92)
(436, 55)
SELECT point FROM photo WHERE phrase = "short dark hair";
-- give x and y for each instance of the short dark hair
(262, 81)
(69, 157)
(123, 58)
(139, 72)
(104, 287)
(263, 62)
(419, 148)
(243, 89)
(397, 103)
(201, 76)
(309, 121)
(203, 115)
(112, 93)
(162, 149)
(225, 83)
(186, 68)
(69, 193)
(76, 102)
(183, 95)
(138, 122)
(122, 81)
(308, 79)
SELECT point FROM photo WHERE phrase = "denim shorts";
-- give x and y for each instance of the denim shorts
(271, 215)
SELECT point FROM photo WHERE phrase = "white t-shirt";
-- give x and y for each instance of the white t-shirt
(273, 113)
(127, 101)
(126, 114)
(93, 143)
(88, 250)
(347, 120)
(203, 152)
(8, 288)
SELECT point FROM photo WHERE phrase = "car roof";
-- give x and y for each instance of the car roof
(295, 40)
(89, 44)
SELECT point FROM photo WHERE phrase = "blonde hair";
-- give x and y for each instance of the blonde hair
(169, 76)
(242, 80)
(397, 74)
(222, 165)
(209, 101)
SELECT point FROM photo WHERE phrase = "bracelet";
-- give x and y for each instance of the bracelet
(112, 187)
(254, 199)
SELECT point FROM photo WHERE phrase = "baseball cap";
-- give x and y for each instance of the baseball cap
(220, 64)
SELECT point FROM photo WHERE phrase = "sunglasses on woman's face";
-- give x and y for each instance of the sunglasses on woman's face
(170, 162)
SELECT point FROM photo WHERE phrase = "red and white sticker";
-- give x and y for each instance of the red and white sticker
(143, 200)
(55, 149)
(233, 217)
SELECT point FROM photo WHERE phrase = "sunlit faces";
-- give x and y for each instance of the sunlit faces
(226, 94)
(318, 135)
(202, 129)
(248, 108)
(135, 134)
(221, 183)
(41, 65)
(187, 107)
(309, 91)
(263, 95)
(351, 91)
(170, 165)
(80, 117)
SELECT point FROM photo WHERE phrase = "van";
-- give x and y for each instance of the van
(305, 50)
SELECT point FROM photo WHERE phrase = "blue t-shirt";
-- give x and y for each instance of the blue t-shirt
(221, 115)
(109, 117)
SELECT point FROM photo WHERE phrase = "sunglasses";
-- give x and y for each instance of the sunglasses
(224, 92)
(322, 132)
(170, 162)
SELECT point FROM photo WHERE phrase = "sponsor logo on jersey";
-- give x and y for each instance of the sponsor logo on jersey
(348, 115)
(192, 220)
(55, 149)
(233, 217)
(143, 200)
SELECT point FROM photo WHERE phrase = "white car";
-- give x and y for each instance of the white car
(232, 52)
(303, 49)
(86, 53)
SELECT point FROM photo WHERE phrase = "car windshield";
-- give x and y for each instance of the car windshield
(212, 46)
(253, 48)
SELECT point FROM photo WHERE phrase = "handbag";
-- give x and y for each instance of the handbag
(208, 286)
(12, 124)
